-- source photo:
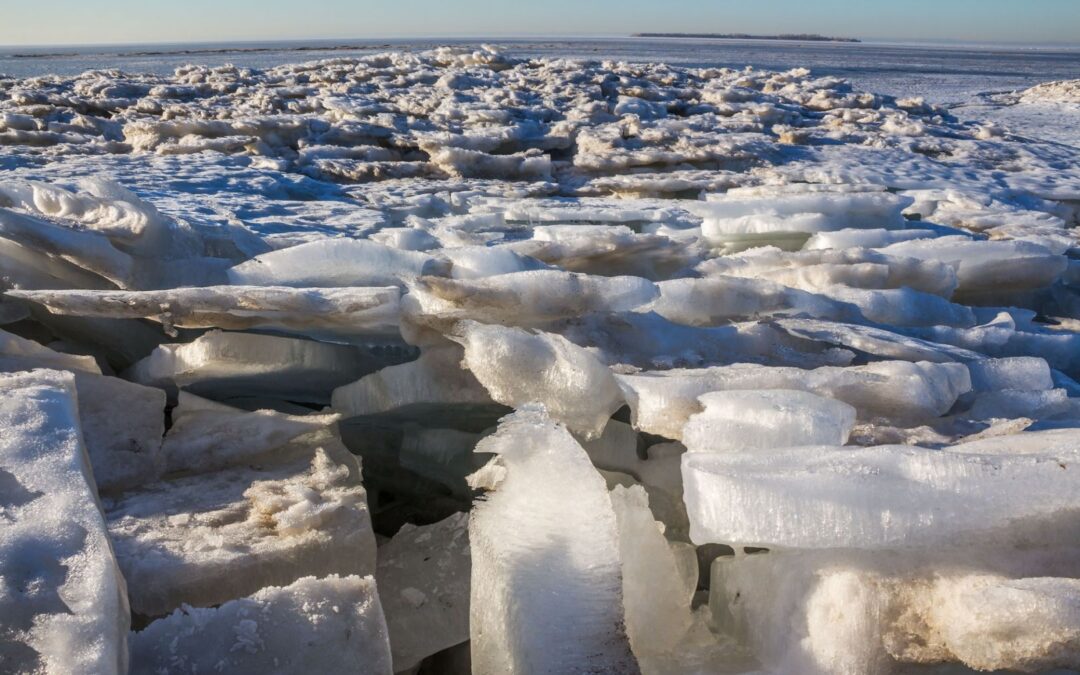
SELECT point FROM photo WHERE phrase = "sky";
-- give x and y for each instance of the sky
(152, 21)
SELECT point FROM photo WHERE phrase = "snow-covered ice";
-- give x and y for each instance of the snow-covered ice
(204, 539)
(64, 603)
(451, 361)
(310, 626)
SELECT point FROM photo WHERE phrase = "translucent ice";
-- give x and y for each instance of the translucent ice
(735, 421)
(661, 402)
(526, 298)
(334, 263)
(546, 579)
(335, 312)
(436, 377)
(238, 364)
(879, 497)
(518, 367)
(659, 579)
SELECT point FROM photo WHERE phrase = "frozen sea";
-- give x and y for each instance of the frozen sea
(818, 302)
(944, 73)
(974, 79)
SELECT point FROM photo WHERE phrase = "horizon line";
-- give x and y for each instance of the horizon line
(524, 36)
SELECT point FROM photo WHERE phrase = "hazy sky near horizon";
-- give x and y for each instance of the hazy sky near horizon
(151, 21)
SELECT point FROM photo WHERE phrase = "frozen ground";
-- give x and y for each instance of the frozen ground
(451, 360)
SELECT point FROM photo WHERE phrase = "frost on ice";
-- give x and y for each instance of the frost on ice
(447, 362)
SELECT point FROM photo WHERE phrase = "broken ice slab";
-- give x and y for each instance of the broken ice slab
(222, 364)
(423, 577)
(527, 298)
(621, 449)
(742, 420)
(29, 352)
(122, 422)
(436, 377)
(645, 339)
(90, 251)
(874, 342)
(25, 266)
(517, 367)
(659, 580)
(839, 612)
(63, 604)
(1019, 373)
(335, 263)
(204, 539)
(860, 238)
(474, 262)
(1009, 333)
(789, 219)
(328, 625)
(986, 269)
(546, 580)
(206, 436)
(607, 250)
(661, 402)
(882, 497)
(818, 270)
(717, 300)
(344, 314)
(902, 306)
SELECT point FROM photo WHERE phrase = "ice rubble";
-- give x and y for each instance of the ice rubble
(1064, 91)
(735, 371)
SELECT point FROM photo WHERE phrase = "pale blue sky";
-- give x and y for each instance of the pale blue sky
(148, 21)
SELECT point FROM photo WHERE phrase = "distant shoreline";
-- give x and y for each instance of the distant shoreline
(198, 52)
(744, 36)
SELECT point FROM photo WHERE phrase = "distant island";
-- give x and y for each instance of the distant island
(743, 36)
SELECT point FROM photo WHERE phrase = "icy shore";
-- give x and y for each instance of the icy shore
(447, 362)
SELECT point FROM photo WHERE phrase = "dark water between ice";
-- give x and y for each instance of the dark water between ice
(944, 74)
